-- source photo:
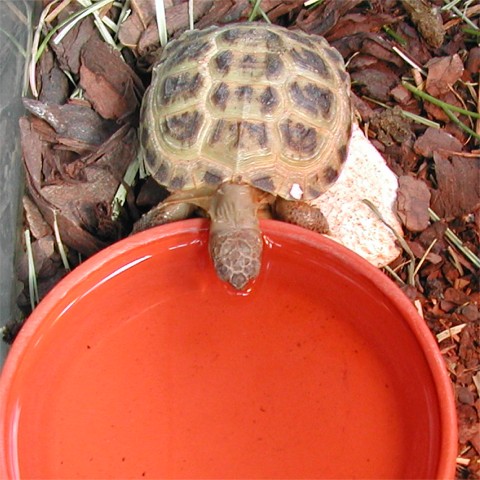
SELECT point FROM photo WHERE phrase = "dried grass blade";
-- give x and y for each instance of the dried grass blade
(450, 332)
(121, 194)
(32, 276)
(124, 14)
(190, 15)
(38, 48)
(58, 238)
(408, 60)
(424, 256)
(76, 17)
(400, 240)
(53, 15)
(161, 22)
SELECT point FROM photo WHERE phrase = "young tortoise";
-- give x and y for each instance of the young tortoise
(239, 120)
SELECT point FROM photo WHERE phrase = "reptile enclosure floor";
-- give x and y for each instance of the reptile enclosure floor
(142, 364)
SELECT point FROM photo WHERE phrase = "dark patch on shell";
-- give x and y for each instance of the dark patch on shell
(264, 183)
(258, 131)
(248, 61)
(184, 85)
(232, 35)
(269, 100)
(187, 51)
(297, 37)
(252, 36)
(274, 42)
(223, 61)
(212, 177)
(342, 153)
(314, 188)
(274, 66)
(335, 57)
(313, 192)
(299, 138)
(309, 60)
(178, 182)
(244, 92)
(184, 127)
(193, 36)
(330, 174)
(238, 131)
(312, 98)
(150, 157)
(161, 173)
(220, 96)
(217, 132)
(144, 136)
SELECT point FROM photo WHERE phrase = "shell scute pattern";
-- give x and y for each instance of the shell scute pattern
(312, 99)
(223, 61)
(235, 66)
(301, 141)
(233, 137)
(233, 101)
(182, 129)
(274, 66)
(248, 102)
(311, 62)
(178, 55)
(180, 88)
(212, 177)
(254, 39)
(301, 38)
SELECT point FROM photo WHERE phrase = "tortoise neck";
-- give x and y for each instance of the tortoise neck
(233, 207)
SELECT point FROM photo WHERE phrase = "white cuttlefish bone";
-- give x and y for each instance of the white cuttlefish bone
(365, 175)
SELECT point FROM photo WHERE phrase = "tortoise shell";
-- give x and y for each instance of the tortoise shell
(252, 103)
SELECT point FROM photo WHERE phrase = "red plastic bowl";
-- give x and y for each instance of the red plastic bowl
(142, 364)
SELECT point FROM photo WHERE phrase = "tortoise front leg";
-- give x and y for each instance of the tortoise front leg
(162, 214)
(301, 214)
(178, 206)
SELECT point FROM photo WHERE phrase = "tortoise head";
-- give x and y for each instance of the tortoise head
(235, 238)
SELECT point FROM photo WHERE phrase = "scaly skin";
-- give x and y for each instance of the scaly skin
(301, 214)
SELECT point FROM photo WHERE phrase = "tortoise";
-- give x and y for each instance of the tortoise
(240, 121)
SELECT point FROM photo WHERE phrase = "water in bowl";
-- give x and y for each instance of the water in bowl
(159, 370)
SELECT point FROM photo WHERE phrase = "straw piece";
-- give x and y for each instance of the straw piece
(450, 332)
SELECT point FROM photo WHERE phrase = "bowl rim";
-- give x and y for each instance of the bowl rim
(444, 388)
